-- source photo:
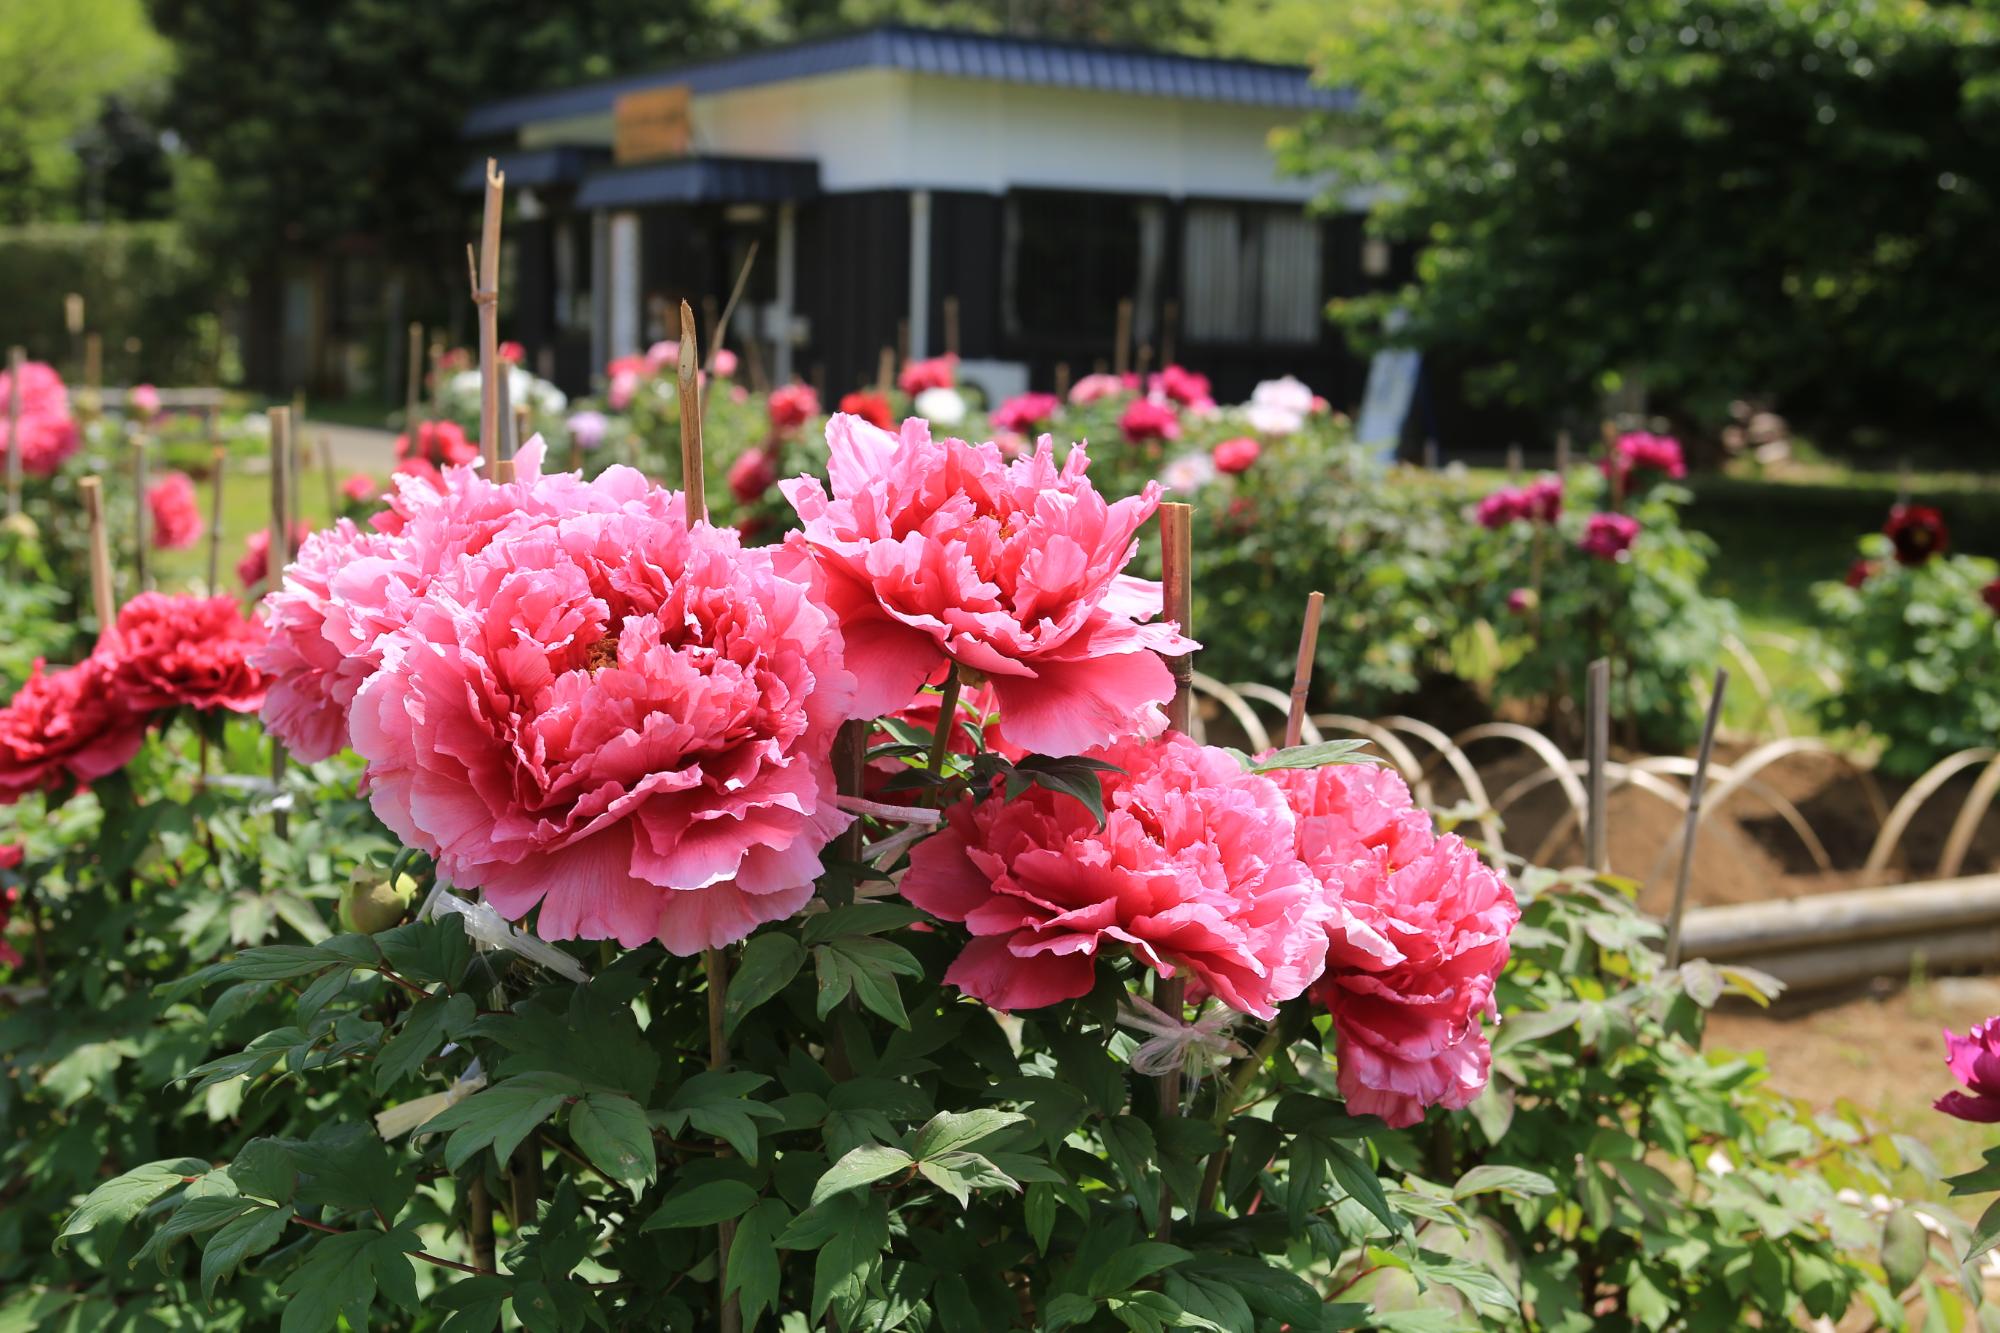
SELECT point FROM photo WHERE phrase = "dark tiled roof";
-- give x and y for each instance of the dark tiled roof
(946, 52)
(695, 180)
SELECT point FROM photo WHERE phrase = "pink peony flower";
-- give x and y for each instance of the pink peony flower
(173, 651)
(48, 435)
(1024, 412)
(71, 726)
(1180, 385)
(1417, 938)
(1608, 536)
(439, 443)
(1145, 419)
(359, 488)
(724, 363)
(662, 355)
(1193, 868)
(255, 565)
(1974, 1060)
(623, 389)
(144, 400)
(938, 372)
(511, 353)
(791, 406)
(10, 856)
(937, 552)
(871, 407)
(1540, 501)
(1522, 600)
(1236, 455)
(1098, 388)
(1643, 451)
(752, 475)
(176, 512)
(618, 719)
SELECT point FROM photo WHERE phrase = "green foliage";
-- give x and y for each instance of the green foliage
(1918, 655)
(1700, 196)
(142, 279)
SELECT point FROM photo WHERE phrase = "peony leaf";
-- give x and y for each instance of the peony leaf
(1317, 755)
(861, 1166)
(949, 1131)
(767, 966)
(703, 1205)
(1073, 776)
(1513, 1181)
(242, 1238)
(1906, 1248)
(613, 1133)
(123, 1198)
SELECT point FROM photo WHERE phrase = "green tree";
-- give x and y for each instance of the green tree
(1716, 197)
(62, 61)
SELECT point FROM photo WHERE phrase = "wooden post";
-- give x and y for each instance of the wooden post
(524, 428)
(694, 486)
(486, 296)
(1062, 380)
(1176, 553)
(437, 377)
(413, 383)
(16, 359)
(218, 462)
(1597, 746)
(1514, 463)
(1170, 318)
(885, 372)
(93, 372)
(1121, 350)
(141, 512)
(101, 597)
(280, 555)
(1302, 671)
(951, 325)
(325, 448)
(1696, 784)
(1562, 453)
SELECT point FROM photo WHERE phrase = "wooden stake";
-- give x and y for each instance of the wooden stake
(720, 328)
(524, 429)
(93, 364)
(1170, 318)
(1302, 671)
(951, 325)
(479, 1221)
(885, 372)
(1696, 784)
(413, 384)
(16, 359)
(141, 512)
(1145, 360)
(101, 597)
(486, 296)
(1514, 462)
(218, 463)
(1121, 350)
(1062, 380)
(437, 378)
(279, 555)
(324, 445)
(1562, 453)
(693, 485)
(1597, 746)
(1176, 556)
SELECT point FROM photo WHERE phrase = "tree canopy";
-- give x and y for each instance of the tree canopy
(1717, 197)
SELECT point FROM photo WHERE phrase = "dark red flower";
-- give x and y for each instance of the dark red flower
(752, 475)
(1990, 594)
(1862, 570)
(172, 650)
(790, 405)
(72, 726)
(871, 407)
(1917, 532)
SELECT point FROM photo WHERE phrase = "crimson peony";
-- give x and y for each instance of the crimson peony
(176, 512)
(600, 711)
(48, 435)
(1194, 867)
(72, 726)
(1145, 419)
(871, 407)
(791, 406)
(938, 372)
(1643, 451)
(1418, 934)
(1236, 455)
(1918, 532)
(1025, 412)
(938, 552)
(1608, 536)
(752, 475)
(439, 443)
(174, 650)
(1990, 594)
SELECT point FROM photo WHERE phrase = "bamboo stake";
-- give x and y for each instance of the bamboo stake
(1170, 318)
(1514, 463)
(885, 371)
(1145, 360)
(719, 330)
(218, 462)
(504, 379)
(479, 1221)
(1562, 453)
(101, 596)
(1597, 745)
(1176, 556)
(693, 485)
(16, 359)
(1696, 784)
(413, 382)
(1302, 671)
(1062, 380)
(437, 378)
(279, 554)
(324, 445)
(486, 296)
(951, 325)
(141, 526)
(1121, 349)
(524, 429)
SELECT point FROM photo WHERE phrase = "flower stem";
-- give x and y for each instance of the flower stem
(947, 719)
(1226, 1099)
(1169, 996)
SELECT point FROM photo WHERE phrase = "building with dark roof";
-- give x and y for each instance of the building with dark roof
(914, 188)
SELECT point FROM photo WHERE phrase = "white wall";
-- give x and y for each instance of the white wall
(887, 129)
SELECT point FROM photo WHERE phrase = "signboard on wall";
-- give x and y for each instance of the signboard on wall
(650, 124)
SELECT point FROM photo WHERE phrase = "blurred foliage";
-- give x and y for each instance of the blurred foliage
(1707, 196)
(140, 278)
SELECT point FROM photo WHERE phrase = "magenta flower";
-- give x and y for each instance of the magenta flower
(1193, 868)
(1643, 451)
(1540, 501)
(752, 474)
(1145, 420)
(938, 552)
(791, 406)
(938, 372)
(1236, 455)
(176, 512)
(1025, 412)
(1608, 536)
(611, 717)
(1418, 934)
(1974, 1060)
(48, 434)
(1180, 385)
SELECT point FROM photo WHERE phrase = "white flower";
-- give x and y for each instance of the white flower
(941, 407)
(522, 387)
(1187, 473)
(1287, 393)
(1270, 419)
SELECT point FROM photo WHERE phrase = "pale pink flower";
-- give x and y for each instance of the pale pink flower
(938, 551)
(48, 435)
(1194, 867)
(1097, 388)
(623, 389)
(1417, 937)
(616, 719)
(1181, 385)
(176, 512)
(144, 400)
(724, 363)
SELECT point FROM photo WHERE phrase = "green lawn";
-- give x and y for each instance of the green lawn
(246, 508)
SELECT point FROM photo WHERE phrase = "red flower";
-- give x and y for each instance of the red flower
(1145, 419)
(8, 898)
(1990, 594)
(359, 488)
(939, 372)
(1862, 570)
(512, 354)
(171, 651)
(871, 407)
(1183, 386)
(255, 566)
(1025, 411)
(68, 727)
(438, 443)
(1643, 451)
(10, 855)
(1918, 532)
(1236, 455)
(176, 512)
(791, 406)
(752, 474)
(1608, 536)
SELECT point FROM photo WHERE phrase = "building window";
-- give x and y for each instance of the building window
(1068, 260)
(1251, 273)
